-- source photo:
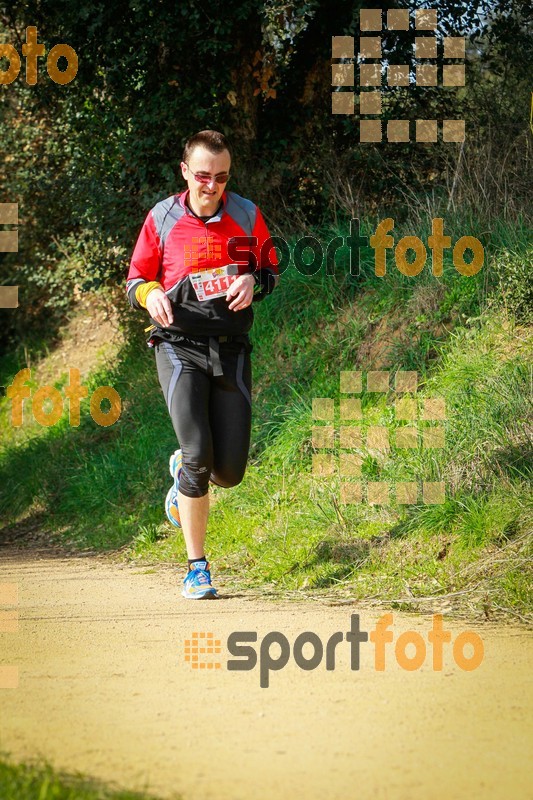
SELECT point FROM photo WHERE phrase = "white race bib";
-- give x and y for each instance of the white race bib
(214, 282)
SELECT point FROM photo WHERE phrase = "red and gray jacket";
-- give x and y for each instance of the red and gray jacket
(173, 243)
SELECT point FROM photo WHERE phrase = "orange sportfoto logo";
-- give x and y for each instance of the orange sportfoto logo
(410, 649)
(32, 50)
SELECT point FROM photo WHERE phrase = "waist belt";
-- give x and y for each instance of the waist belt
(214, 354)
(213, 342)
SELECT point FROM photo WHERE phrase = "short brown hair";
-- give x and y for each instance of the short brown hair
(213, 141)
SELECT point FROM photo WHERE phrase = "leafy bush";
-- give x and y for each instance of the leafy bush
(515, 283)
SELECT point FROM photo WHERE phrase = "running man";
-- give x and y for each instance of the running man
(201, 259)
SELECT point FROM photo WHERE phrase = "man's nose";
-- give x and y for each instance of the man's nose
(211, 183)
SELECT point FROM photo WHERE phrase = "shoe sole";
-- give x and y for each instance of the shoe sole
(210, 595)
(170, 518)
(171, 463)
(172, 469)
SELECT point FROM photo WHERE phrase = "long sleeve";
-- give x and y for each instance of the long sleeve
(146, 259)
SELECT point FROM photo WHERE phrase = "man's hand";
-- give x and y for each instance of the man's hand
(242, 290)
(159, 307)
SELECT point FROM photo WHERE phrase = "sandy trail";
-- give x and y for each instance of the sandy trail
(104, 688)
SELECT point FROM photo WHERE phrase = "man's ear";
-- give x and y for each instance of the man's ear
(183, 166)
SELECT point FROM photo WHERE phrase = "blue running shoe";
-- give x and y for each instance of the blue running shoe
(197, 584)
(171, 501)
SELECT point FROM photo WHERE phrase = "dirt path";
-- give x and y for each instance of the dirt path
(104, 688)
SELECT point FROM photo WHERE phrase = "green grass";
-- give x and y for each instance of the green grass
(38, 781)
(283, 528)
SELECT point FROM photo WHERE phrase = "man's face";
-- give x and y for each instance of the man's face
(205, 197)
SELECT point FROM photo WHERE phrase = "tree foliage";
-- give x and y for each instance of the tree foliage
(85, 161)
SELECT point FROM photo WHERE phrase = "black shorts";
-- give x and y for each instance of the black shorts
(211, 412)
